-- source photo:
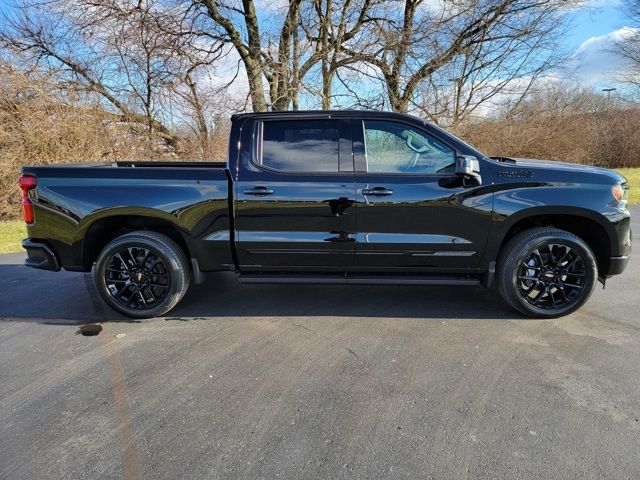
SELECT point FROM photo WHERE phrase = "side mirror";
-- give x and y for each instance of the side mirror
(468, 167)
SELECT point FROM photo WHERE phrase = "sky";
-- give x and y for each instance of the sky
(592, 34)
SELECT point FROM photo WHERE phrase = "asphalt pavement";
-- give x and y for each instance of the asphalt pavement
(316, 382)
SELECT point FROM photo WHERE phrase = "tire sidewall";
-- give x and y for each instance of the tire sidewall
(173, 266)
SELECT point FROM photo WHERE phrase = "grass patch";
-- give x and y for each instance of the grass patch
(633, 177)
(12, 232)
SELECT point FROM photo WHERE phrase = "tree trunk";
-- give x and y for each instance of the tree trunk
(256, 86)
(295, 72)
(203, 129)
(327, 78)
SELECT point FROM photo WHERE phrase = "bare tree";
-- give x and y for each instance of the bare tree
(443, 58)
(421, 42)
(336, 29)
(282, 55)
(628, 47)
(490, 74)
(168, 54)
(139, 50)
(133, 54)
(237, 23)
(116, 61)
(189, 55)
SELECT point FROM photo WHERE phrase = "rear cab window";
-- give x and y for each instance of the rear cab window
(297, 146)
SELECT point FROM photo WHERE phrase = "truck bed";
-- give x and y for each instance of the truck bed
(135, 164)
(77, 204)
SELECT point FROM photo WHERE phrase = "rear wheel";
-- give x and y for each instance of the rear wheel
(142, 274)
(546, 272)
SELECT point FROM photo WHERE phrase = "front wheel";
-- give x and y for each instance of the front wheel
(142, 274)
(546, 272)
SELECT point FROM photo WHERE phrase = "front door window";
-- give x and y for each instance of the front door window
(393, 148)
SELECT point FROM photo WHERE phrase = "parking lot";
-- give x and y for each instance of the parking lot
(305, 381)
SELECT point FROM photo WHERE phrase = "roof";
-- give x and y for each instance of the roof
(435, 130)
(331, 113)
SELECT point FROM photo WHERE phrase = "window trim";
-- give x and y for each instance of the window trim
(344, 134)
(361, 121)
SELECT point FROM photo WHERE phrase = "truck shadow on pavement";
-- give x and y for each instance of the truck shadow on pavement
(66, 298)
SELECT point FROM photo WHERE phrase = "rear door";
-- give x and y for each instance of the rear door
(413, 212)
(295, 195)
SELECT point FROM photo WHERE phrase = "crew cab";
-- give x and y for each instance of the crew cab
(332, 197)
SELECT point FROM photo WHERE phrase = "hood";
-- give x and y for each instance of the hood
(540, 167)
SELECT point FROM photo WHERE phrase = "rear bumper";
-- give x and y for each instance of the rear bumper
(40, 255)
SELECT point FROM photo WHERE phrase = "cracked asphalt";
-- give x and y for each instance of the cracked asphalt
(307, 382)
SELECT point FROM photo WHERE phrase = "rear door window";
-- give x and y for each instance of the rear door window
(300, 146)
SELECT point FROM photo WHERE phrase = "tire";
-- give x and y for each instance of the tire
(142, 274)
(546, 272)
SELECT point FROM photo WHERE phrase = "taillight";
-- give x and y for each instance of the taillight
(27, 182)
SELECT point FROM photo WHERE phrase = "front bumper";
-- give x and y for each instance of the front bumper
(40, 255)
(617, 265)
(622, 247)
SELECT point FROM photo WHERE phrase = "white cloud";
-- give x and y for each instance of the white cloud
(596, 62)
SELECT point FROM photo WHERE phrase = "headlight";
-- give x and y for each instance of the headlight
(619, 192)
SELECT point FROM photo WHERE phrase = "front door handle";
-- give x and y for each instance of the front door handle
(259, 191)
(377, 191)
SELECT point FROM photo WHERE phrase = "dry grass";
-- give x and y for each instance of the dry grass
(573, 126)
(35, 129)
(607, 139)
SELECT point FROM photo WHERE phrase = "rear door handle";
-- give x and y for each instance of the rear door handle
(259, 191)
(377, 191)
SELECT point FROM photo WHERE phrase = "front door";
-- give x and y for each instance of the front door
(413, 212)
(295, 197)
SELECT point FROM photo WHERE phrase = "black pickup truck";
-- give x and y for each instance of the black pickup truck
(332, 197)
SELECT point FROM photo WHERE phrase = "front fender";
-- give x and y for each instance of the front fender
(514, 204)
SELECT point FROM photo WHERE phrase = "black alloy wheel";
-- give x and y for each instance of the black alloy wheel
(137, 277)
(552, 276)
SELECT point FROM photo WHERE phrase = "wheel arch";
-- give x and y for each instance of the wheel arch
(104, 229)
(590, 226)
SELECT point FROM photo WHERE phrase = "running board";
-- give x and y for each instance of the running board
(359, 279)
